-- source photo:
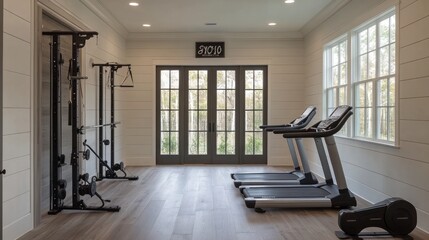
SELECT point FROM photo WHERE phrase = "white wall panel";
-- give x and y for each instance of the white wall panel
(374, 171)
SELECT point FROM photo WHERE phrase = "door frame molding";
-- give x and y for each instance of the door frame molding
(1, 120)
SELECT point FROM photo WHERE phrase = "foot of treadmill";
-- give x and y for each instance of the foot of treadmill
(259, 210)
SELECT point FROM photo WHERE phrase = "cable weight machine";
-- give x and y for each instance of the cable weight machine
(81, 185)
(110, 172)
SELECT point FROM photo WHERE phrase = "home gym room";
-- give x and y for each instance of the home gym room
(189, 119)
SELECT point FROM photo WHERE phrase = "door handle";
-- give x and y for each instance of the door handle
(214, 127)
(209, 127)
(3, 171)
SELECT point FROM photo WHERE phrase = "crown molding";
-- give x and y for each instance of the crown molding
(214, 36)
(100, 11)
(322, 16)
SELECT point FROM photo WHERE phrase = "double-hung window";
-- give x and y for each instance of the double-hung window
(336, 84)
(369, 52)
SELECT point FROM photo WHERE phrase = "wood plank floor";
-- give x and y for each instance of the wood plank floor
(196, 202)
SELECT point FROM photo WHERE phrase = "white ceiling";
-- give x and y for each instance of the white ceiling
(235, 16)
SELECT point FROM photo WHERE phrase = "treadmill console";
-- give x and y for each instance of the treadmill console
(304, 116)
(335, 117)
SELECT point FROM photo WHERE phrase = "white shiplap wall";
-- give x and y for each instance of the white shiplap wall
(373, 171)
(283, 56)
(17, 127)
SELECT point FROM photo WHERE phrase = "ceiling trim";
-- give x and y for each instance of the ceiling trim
(323, 15)
(214, 35)
(100, 11)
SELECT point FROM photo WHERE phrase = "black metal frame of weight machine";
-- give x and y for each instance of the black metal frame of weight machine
(113, 69)
(57, 184)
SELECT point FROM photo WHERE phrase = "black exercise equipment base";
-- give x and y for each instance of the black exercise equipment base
(106, 209)
(362, 235)
(132, 178)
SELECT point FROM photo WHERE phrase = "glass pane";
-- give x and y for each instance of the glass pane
(203, 99)
(332, 98)
(248, 143)
(335, 76)
(391, 132)
(193, 143)
(175, 79)
(165, 143)
(165, 121)
(249, 99)
(220, 121)
(382, 123)
(363, 42)
(258, 120)
(193, 99)
(259, 79)
(384, 61)
(392, 28)
(382, 92)
(369, 121)
(363, 67)
(193, 120)
(230, 143)
(165, 79)
(368, 95)
(230, 82)
(174, 121)
(384, 32)
(392, 92)
(343, 73)
(202, 125)
(371, 38)
(258, 143)
(174, 98)
(174, 143)
(372, 61)
(165, 99)
(342, 98)
(249, 79)
(230, 99)
(193, 80)
(220, 143)
(202, 83)
(343, 52)
(259, 99)
(360, 95)
(230, 122)
(249, 121)
(202, 146)
(220, 99)
(220, 79)
(392, 59)
(335, 55)
(360, 122)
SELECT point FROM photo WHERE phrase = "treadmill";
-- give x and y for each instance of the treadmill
(294, 177)
(326, 195)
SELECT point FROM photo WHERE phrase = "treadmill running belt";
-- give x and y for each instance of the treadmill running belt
(265, 176)
(279, 192)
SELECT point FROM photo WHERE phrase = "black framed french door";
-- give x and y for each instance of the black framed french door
(211, 114)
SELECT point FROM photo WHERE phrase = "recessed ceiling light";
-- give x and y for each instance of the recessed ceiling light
(134, 4)
(146, 25)
(272, 24)
(289, 1)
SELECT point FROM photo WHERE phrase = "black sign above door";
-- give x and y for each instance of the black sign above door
(210, 49)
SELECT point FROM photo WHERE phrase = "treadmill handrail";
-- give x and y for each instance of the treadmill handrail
(314, 132)
(291, 125)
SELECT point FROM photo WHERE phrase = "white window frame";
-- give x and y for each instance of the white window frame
(327, 66)
(352, 77)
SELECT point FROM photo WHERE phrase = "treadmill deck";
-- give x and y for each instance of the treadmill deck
(281, 192)
(265, 176)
